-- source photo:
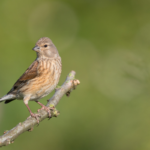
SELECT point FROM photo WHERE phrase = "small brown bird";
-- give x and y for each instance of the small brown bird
(40, 78)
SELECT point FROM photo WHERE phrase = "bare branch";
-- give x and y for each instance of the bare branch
(9, 136)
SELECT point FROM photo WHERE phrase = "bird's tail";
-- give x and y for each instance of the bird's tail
(8, 98)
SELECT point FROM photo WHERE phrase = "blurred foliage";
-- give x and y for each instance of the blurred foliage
(108, 44)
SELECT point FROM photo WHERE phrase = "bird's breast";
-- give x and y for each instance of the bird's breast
(48, 77)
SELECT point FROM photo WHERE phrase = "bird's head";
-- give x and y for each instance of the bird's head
(45, 48)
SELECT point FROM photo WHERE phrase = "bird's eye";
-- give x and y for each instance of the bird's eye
(45, 45)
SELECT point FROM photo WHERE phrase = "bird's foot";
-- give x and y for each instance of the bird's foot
(47, 109)
(35, 116)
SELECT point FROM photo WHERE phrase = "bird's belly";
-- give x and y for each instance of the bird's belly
(38, 88)
(42, 92)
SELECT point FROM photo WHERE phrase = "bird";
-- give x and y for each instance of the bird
(40, 79)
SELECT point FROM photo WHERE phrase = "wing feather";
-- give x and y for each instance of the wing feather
(29, 74)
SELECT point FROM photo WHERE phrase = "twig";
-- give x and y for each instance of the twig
(9, 136)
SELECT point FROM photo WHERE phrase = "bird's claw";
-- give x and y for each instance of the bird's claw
(47, 109)
(35, 116)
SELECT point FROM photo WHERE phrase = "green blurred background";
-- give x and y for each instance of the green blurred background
(107, 43)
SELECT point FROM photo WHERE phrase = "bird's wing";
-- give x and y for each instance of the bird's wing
(29, 74)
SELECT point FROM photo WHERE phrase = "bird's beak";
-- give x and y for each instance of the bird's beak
(36, 48)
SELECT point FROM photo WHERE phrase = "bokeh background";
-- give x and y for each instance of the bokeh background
(107, 43)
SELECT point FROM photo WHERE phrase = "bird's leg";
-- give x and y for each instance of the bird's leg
(31, 113)
(47, 109)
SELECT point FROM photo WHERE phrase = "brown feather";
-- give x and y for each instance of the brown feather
(29, 74)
